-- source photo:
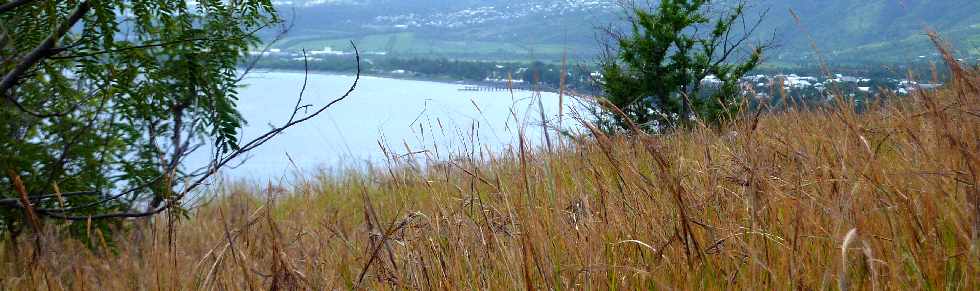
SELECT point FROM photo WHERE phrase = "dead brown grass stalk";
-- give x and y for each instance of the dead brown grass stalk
(799, 199)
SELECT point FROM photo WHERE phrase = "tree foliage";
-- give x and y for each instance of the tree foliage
(102, 99)
(658, 73)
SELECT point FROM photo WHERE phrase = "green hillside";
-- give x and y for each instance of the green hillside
(842, 30)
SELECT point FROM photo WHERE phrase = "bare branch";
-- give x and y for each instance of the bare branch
(279, 36)
(145, 46)
(221, 162)
(16, 203)
(13, 5)
(129, 48)
(103, 200)
(41, 52)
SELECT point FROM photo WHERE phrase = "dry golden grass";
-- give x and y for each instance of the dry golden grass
(818, 199)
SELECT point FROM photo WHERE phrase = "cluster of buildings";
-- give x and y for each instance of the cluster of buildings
(494, 13)
(764, 86)
(311, 55)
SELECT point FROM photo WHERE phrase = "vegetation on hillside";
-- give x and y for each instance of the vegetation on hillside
(99, 109)
(884, 194)
(847, 30)
(797, 199)
(103, 101)
(521, 74)
(656, 73)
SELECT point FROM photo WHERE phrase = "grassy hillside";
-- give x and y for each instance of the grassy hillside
(817, 199)
(411, 44)
(843, 30)
(878, 30)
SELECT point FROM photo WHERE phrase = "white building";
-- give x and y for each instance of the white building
(328, 51)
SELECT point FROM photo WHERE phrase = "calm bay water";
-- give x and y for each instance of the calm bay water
(437, 118)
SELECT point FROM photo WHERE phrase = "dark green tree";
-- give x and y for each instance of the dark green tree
(658, 73)
(102, 100)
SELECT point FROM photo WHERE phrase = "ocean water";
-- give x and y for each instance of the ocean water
(412, 119)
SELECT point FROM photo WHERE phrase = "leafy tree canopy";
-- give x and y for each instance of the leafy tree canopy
(676, 64)
(102, 99)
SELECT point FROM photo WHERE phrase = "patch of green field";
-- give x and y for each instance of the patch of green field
(966, 40)
(410, 44)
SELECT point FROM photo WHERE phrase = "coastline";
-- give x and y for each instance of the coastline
(396, 77)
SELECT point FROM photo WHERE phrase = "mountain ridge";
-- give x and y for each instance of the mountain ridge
(884, 30)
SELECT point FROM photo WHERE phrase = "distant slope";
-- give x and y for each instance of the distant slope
(872, 30)
(843, 30)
